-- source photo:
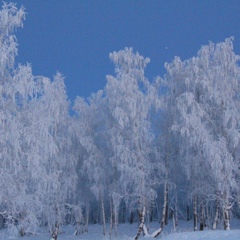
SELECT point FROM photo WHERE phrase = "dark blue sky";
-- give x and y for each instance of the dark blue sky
(75, 37)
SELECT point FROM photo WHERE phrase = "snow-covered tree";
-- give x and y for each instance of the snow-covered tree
(129, 103)
(207, 120)
(52, 147)
(91, 130)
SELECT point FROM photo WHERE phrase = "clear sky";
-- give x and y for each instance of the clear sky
(75, 37)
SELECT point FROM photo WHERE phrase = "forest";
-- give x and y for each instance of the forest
(138, 150)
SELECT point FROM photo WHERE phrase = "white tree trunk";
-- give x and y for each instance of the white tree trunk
(55, 232)
(116, 200)
(226, 216)
(164, 205)
(158, 232)
(111, 217)
(226, 219)
(215, 220)
(103, 217)
(77, 229)
(141, 225)
(173, 219)
(148, 220)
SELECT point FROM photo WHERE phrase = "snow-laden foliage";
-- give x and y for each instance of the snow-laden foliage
(206, 120)
(37, 173)
(135, 151)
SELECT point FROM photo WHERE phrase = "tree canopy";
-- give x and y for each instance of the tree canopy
(134, 149)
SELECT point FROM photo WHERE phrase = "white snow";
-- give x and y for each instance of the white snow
(127, 232)
(205, 235)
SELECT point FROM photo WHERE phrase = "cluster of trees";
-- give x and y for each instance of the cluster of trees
(134, 151)
(36, 170)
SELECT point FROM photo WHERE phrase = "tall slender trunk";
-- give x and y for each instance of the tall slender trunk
(148, 219)
(103, 217)
(166, 212)
(195, 212)
(216, 216)
(111, 217)
(55, 231)
(226, 219)
(176, 211)
(131, 217)
(115, 218)
(207, 217)
(116, 200)
(202, 216)
(173, 219)
(141, 225)
(226, 215)
(162, 223)
(87, 217)
(123, 213)
(164, 205)
(188, 213)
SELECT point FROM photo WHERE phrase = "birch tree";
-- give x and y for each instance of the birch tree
(57, 184)
(211, 83)
(92, 137)
(129, 102)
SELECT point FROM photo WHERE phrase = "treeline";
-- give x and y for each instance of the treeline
(138, 150)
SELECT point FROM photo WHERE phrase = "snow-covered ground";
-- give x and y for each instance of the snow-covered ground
(127, 232)
(206, 235)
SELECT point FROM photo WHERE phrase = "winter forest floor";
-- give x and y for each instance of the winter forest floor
(127, 232)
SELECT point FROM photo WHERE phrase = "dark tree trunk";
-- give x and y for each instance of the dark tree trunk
(166, 212)
(22, 232)
(176, 210)
(131, 218)
(188, 213)
(87, 217)
(202, 222)
(195, 212)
